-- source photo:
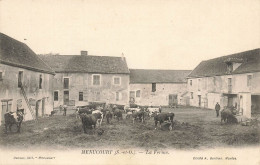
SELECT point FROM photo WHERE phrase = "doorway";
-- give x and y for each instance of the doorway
(199, 97)
(173, 101)
(66, 98)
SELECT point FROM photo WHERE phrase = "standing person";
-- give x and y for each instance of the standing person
(61, 108)
(217, 108)
(160, 109)
(65, 110)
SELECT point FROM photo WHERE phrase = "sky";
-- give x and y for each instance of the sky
(151, 34)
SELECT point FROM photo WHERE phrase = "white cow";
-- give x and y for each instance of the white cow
(99, 120)
(153, 110)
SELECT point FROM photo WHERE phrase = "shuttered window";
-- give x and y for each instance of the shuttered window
(66, 83)
(20, 78)
(80, 96)
(96, 79)
(153, 87)
(56, 95)
(138, 93)
(40, 82)
(117, 81)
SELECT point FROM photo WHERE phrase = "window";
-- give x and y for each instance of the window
(20, 78)
(96, 79)
(117, 80)
(249, 79)
(80, 96)
(198, 84)
(56, 95)
(117, 96)
(40, 82)
(229, 85)
(66, 83)
(138, 93)
(191, 95)
(190, 82)
(97, 96)
(230, 67)
(1, 76)
(153, 87)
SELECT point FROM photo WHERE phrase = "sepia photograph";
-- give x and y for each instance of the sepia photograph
(130, 82)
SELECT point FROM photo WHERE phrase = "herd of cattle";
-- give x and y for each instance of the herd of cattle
(92, 117)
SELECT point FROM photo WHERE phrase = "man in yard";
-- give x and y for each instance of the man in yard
(65, 110)
(160, 109)
(217, 108)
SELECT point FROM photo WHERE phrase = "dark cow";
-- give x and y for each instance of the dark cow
(14, 118)
(138, 115)
(162, 117)
(118, 114)
(228, 116)
(89, 121)
(84, 110)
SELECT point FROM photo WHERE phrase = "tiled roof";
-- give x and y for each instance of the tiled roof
(18, 54)
(250, 62)
(158, 76)
(86, 64)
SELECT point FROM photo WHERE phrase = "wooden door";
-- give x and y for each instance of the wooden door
(66, 98)
(199, 97)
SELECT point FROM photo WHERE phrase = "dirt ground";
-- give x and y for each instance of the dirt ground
(194, 129)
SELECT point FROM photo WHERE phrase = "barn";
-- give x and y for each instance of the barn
(84, 79)
(25, 80)
(157, 87)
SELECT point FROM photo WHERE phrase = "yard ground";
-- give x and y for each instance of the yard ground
(194, 129)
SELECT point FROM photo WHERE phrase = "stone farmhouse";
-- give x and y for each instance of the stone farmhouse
(83, 79)
(25, 80)
(231, 80)
(157, 87)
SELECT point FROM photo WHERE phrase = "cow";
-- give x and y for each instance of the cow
(164, 117)
(153, 110)
(118, 114)
(99, 115)
(84, 110)
(138, 115)
(228, 116)
(129, 114)
(88, 121)
(14, 118)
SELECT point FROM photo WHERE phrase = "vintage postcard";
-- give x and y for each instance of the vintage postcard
(130, 82)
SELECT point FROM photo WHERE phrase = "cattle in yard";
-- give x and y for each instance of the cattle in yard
(129, 114)
(14, 118)
(138, 115)
(164, 117)
(228, 116)
(153, 110)
(86, 110)
(118, 114)
(88, 121)
(99, 115)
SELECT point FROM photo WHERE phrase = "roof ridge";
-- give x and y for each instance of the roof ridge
(162, 69)
(69, 55)
(233, 54)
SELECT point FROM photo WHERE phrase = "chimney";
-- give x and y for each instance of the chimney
(84, 53)
(123, 57)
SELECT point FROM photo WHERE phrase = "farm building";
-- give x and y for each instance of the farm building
(83, 79)
(231, 80)
(158, 87)
(25, 80)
